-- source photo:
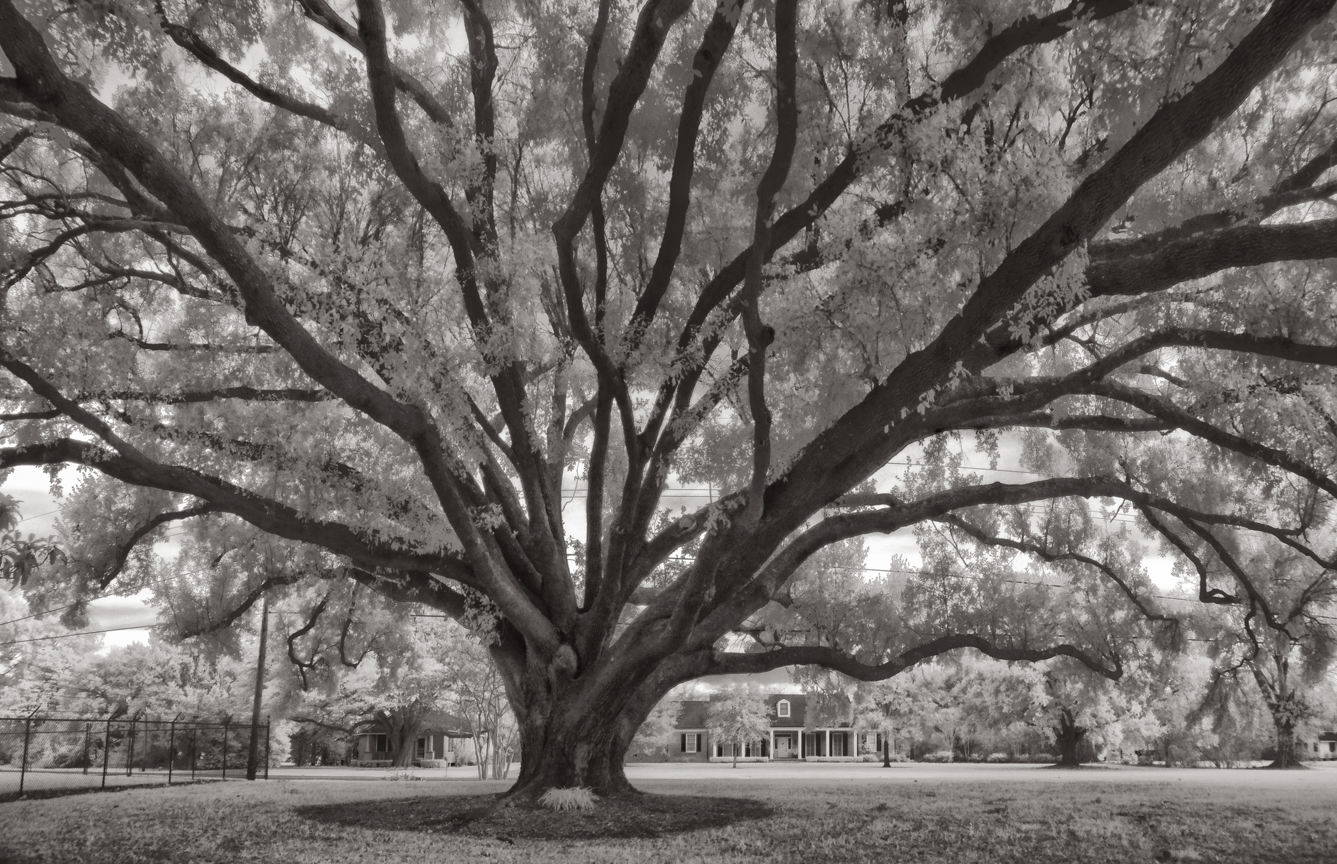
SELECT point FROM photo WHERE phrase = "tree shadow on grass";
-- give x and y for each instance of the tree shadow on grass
(640, 816)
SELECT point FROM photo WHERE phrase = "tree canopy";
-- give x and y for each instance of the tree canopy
(446, 301)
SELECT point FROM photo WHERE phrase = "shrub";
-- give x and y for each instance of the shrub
(937, 756)
(996, 758)
(575, 798)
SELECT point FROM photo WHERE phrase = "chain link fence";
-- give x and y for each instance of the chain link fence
(49, 755)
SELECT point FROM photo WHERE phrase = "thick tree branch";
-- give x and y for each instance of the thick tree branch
(123, 551)
(266, 514)
(323, 14)
(1201, 255)
(719, 35)
(197, 47)
(1046, 554)
(1181, 419)
(845, 453)
(760, 336)
(231, 616)
(831, 658)
(1205, 223)
(79, 111)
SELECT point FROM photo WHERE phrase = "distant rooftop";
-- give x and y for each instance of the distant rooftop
(694, 711)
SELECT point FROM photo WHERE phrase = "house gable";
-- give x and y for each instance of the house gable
(695, 711)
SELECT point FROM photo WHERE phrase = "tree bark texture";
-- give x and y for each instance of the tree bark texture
(1069, 735)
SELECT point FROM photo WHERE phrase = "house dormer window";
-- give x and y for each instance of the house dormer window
(782, 708)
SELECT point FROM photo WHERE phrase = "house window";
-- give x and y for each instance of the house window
(782, 708)
(380, 743)
(691, 742)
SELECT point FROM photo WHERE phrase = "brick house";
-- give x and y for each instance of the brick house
(790, 738)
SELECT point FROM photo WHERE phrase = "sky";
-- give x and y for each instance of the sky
(40, 511)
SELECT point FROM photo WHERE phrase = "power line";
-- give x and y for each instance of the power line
(105, 594)
(82, 633)
(38, 516)
(974, 468)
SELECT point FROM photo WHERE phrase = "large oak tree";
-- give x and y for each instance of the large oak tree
(365, 292)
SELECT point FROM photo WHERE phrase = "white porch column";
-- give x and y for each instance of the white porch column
(770, 754)
(827, 752)
(855, 735)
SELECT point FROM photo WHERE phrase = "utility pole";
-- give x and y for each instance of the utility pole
(252, 760)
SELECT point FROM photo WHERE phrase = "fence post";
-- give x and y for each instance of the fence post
(171, 750)
(193, 731)
(23, 766)
(88, 730)
(130, 751)
(226, 721)
(106, 753)
(266, 748)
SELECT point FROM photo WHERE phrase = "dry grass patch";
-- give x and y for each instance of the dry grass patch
(1105, 817)
(645, 816)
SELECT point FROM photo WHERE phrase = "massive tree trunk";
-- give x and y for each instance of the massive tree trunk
(1287, 757)
(1283, 703)
(1069, 735)
(590, 753)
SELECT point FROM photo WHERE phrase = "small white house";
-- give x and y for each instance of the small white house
(1321, 748)
(435, 745)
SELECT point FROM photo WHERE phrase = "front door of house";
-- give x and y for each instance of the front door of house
(782, 747)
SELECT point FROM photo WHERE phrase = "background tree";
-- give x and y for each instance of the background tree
(474, 689)
(332, 297)
(656, 734)
(739, 716)
(1284, 647)
(38, 659)
(399, 693)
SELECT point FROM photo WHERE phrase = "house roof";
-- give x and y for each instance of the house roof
(434, 723)
(441, 723)
(1327, 736)
(694, 711)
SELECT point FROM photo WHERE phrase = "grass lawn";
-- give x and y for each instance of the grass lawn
(857, 813)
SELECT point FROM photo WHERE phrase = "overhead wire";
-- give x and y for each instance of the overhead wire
(81, 633)
(105, 594)
(37, 516)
